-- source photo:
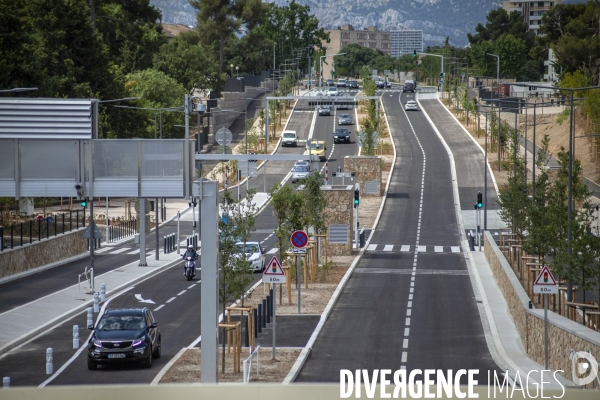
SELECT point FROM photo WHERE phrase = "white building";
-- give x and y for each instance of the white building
(406, 41)
(531, 11)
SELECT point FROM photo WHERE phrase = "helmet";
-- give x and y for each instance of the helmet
(191, 247)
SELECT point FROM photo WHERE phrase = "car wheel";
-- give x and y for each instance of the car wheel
(158, 350)
(92, 366)
(148, 361)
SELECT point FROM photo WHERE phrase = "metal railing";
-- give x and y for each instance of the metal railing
(248, 365)
(122, 230)
(32, 230)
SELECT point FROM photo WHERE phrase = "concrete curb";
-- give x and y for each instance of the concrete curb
(70, 313)
(305, 353)
(168, 366)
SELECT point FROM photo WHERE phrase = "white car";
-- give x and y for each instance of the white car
(255, 255)
(411, 105)
(332, 91)
(289, 138)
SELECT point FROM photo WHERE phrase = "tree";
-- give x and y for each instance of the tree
(355, 59)
(513, 53)
(185, 61)
(500, 22)
(218, 20)
(236, 223)
(315, 202)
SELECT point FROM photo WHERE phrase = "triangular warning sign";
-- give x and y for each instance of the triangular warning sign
(92, 232)
(545, 278)
(274, 268)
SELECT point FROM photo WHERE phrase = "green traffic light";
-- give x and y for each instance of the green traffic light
(84, 204)
(479, 205)
(355, 201)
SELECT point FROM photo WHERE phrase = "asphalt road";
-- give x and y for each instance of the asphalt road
(174, 303)
(413, 310)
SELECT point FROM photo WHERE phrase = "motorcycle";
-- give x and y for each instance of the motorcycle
(189, 268)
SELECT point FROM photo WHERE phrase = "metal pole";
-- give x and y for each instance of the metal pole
(107, 221)
(209, 284)
(516, 136)
(178, 240)
(485, 165)
(266, 125)
(156, 257)
(92, 240)
(142, 207)
(298, 281)
(186, 162)
(499, 124)
(545, 331)
(534, 151)
(274, 313)
(570, 194)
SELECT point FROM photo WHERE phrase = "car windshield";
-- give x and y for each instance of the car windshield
(344, 116)
(250, 248)
(315, 146)
(332, 89)
(301, 169)
(289, 135)
(121, 323)
(340, 131)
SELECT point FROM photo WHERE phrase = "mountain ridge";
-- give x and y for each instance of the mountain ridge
(437, 18)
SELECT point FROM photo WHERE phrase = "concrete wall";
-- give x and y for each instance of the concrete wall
(366, 168)
(46, 251)
(564, 335)
(234, 101)
(340, 210)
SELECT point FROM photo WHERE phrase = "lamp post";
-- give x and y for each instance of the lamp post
(231, 66)
(321, 66)
(237, 69)
(437, 55)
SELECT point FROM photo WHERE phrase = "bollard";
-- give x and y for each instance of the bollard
(246, 331)
(164, 245)
(75, 336)
(6, 382)
(264, 313)
(96, 303)
(268, 309)
(49, 361)
(259, 318)
(255, 323)
(103, 292)
(90, 317)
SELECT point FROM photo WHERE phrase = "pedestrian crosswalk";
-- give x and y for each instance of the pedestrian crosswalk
(127, 250)
(412, 248)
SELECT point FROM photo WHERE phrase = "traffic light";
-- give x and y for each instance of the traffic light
(414, 54)
(441, 75)
(356, 197)
(83, 203)
(479, 200)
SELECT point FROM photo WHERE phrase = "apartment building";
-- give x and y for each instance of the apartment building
(406, 41)
(346, 34)
(532, 11)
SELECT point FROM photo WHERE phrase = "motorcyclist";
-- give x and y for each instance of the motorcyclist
(190, 252)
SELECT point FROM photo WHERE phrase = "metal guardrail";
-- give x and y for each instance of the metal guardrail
(248, 364)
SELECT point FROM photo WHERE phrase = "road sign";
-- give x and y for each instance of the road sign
(545, 283)
(299, 239)
(274, 273)
(92, 232)
(297, 251)
(224, 134)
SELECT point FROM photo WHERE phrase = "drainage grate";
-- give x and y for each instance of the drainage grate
(371, 187)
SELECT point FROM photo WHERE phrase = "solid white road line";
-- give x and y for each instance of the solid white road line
(273, 250)
(119, 250)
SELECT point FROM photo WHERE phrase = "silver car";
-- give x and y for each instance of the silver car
(411, 105)
(300, 171)
(344, 119)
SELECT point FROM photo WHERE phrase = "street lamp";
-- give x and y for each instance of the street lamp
(18, 90)
(321, 66)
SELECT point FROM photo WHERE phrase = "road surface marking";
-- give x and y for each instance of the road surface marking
(438, 249)
(159, 307)
(406, 331)
(182, 292)
(407, 322)
(372, 247)
(455, 249)
(410, 296)
(405, 248)
(409, 304)
(404, 357)
(409, 312)
(191, 286)
(421, 249)
(412, 284)
(405, 344)
(134, 252)
(272, 251)
(119, 250)
(171, 299)
(388, 247)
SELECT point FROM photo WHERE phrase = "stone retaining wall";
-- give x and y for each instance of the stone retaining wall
(366, 168)
(564, 335)
(235, 101)
(339, 210)
(46, 251)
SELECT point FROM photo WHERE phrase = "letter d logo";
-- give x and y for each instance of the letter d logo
(583, 363)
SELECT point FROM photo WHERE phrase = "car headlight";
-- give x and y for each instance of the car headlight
(97, 343)
(137, 342)
(140, 350)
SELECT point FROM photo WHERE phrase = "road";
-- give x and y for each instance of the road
(174, 301)
(412, 309)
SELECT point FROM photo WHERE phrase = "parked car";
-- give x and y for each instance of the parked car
(317, 148)
(300, 171)
(411, 105)
(341, 135)
(329, 82)
(289, 138)
(344, 119)
(341, 82)
(124, 335)
(324, 110)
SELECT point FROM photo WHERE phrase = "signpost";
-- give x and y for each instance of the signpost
(299, 239)
(545, 284)
(274, 274)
